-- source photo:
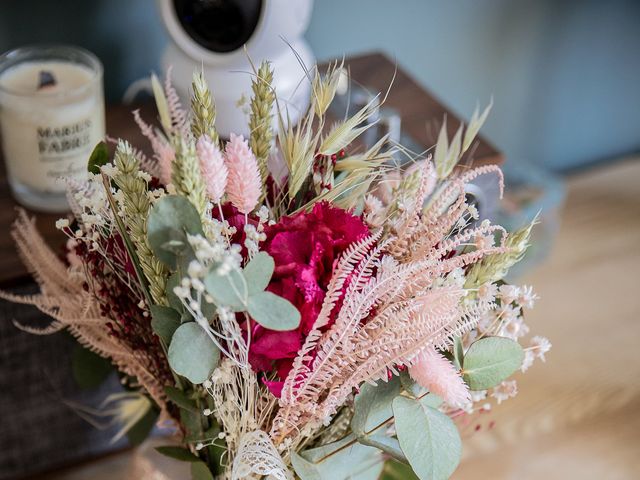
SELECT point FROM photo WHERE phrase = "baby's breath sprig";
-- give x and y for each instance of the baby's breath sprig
(136, 208)
(187, 176)
(204, 109)
(260, 120)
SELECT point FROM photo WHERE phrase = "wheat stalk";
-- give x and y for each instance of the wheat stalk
(136, 208)
(203, 108)
(260, 120)
(187, 176)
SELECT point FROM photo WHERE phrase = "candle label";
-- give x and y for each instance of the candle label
(61, 147)
(60, 142)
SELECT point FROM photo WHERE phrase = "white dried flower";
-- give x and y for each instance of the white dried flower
(487, 292)
(508, 293)
(504, 391)
(527, 297)
(540, 345)
(483, 242)
(110, 170)
(527, 361)
(62, 223)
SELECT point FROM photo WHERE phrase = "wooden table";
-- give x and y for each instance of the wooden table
(420, 111)
(578, 415)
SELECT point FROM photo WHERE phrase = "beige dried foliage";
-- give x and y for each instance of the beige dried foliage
(63, 297)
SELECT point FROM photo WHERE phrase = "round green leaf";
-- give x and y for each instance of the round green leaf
(338, 460)
(428, 438)
(192, 353)
(491, 360)
(258, 272)
(228, 290)
(164, 322)
(273, 312)
(170, 219)
(99, 157)
(373, 405)
(174, 301)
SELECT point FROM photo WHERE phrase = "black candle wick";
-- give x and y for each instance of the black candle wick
(46, 79)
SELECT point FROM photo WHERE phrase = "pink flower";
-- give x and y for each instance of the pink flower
(437, 374)
(304, 247)
(213, 168)
(244, 183)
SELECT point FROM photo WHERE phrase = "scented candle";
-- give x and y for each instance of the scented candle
(51, 117)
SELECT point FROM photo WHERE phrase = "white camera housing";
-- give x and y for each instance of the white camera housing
(273, 31)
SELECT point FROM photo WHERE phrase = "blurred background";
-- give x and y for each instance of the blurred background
(563, 75)
(564, 78)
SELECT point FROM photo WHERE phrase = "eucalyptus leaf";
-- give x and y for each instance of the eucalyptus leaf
(200, 471)
(410, 386)
(491, 360)
(428, 438)
(458, 353)
(208, 309)
(181, 399)
(343, 459)
(164, 322)
(373, 405)
(174, 301)
(228, 290)
(387, 444)
(192, 353)
(192, 423)
(169, 221)
(177, 453)
(99, 157)
(273, 312)
(430, 400)
(258, 272)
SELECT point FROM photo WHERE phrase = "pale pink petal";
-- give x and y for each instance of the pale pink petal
(244, 184)
(437, 374)
(166, 155)
(213, 168)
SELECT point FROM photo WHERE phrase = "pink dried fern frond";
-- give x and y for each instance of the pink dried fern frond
(179, 116)
(244, 185)
(296, 380)
(213, 168)
(64, 298)
(438, 375)
(163, 152)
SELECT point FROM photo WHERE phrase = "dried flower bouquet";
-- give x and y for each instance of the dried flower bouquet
(292, 308)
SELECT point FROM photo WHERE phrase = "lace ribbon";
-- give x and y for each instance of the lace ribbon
(258, 456)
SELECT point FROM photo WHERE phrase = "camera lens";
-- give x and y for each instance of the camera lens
(219, 25)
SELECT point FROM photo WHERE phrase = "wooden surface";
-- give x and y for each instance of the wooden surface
(578, 415)
(420, 112)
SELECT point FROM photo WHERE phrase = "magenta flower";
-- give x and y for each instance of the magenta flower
(304, 248)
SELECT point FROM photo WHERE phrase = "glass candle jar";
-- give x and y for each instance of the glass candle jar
(51, 117)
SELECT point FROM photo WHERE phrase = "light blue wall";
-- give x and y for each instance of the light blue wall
(564, 74)
(127, 35)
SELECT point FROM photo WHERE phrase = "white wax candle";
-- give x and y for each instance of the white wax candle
(48, 132)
